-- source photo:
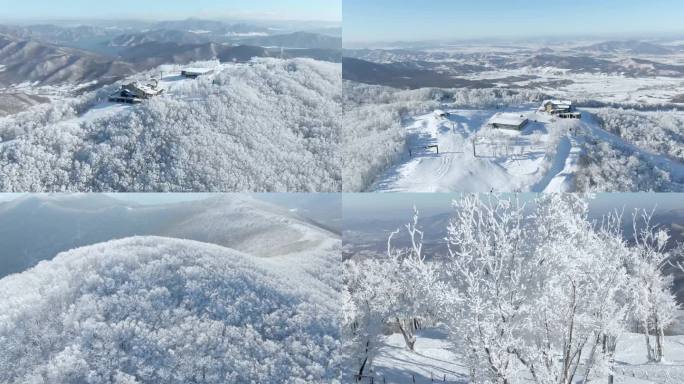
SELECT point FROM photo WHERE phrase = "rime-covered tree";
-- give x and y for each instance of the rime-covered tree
(653, 303)
(578, 301)
(489, 264)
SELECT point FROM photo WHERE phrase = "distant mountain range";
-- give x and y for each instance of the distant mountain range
(48, 54)
(633, 47)
(288, 40)
(107, 39)
(447, 67)
(635, 67)
(402, 75)
(45, 64)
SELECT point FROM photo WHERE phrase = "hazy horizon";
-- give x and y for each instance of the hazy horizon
(508, 41)
(406, 21)
(160, 10)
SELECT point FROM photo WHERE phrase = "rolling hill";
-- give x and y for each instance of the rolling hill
(398, 75)
(43, 64)
(150, 309)
(255, 301)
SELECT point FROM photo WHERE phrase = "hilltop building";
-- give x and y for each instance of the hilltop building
(134, 93)
(563, 109)
(506, 120)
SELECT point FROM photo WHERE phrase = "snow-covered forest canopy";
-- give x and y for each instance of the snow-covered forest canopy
(607, 168)
(539, 294)
(254, 300)
(269, 125)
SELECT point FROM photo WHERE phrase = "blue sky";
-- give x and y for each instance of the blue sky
(323, 10)
(414, 20)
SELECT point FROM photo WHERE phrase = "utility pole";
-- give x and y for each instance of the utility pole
(474, 153)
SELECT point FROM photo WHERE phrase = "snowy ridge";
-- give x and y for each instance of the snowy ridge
(258, 228)
(39, 226)
(149, 309)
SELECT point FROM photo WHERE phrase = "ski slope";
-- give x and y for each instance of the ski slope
(473, 157)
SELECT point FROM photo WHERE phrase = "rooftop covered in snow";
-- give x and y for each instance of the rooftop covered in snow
(196, 71)
(557, 102)
(507, 120)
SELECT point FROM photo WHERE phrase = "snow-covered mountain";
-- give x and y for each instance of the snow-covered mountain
(266, 125)
(78, 53)
(254, 301)
(149, 309)
(43, 64)
(297, 40)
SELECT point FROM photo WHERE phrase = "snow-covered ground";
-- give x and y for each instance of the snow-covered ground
(542, 157)
(434, 360)
(502, 160)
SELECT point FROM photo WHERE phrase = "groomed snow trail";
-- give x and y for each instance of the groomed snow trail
(538, 158)
(542, 157)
